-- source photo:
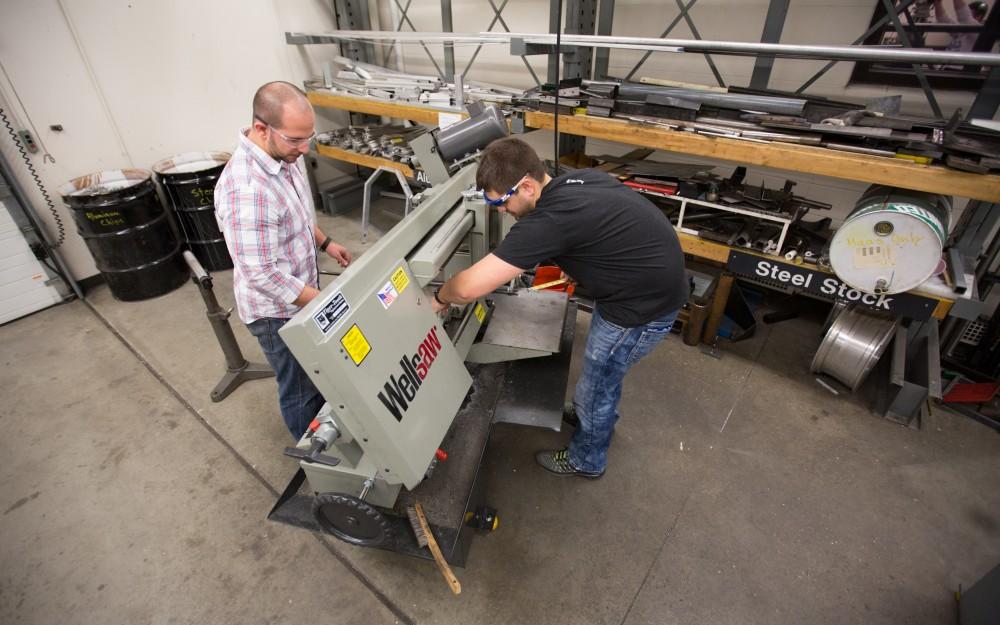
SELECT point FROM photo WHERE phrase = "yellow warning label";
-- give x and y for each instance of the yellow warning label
(356, 344)
(400, 280)
(480, 312)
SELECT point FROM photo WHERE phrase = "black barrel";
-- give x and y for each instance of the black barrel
(122, 221)
(189, 181)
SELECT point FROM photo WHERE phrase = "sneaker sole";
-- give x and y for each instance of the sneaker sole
(589, 476)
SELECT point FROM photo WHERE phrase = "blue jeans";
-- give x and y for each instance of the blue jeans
(297, 396)
(611, 352)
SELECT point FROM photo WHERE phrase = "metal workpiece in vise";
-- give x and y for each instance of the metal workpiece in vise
(238, 368)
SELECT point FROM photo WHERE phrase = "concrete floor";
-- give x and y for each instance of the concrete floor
(739, 491)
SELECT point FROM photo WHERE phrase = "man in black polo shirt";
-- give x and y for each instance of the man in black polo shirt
(614, 243)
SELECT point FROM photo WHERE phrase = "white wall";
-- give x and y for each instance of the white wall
(136, 81)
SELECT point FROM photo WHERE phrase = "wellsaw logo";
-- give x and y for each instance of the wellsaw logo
(399, 391)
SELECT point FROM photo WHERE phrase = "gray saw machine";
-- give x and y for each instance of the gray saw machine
(411, 397)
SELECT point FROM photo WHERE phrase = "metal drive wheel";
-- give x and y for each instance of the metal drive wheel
(350, 519)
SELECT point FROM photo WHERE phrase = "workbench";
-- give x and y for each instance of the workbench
(806, 159)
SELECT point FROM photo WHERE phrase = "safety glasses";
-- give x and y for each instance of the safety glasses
(291, 140)
(506, 196)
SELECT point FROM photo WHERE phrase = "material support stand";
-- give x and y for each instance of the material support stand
(238, 368)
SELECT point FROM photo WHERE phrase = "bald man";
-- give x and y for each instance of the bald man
(264, 208)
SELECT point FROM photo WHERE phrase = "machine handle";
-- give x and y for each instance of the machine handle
(197, 271)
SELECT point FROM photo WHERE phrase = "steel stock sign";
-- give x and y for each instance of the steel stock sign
(826, 285)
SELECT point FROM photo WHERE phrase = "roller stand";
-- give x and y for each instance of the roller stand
(238, 368)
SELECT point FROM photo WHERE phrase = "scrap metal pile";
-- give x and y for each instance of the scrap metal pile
(728, 210)
(876, 127)
(390, 142)
(365, 79)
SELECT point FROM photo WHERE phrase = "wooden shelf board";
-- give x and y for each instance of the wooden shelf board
(372, 162)
(802, 158)
(373, 106)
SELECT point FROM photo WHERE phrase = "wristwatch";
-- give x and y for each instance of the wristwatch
(325, 244)
(437, 298)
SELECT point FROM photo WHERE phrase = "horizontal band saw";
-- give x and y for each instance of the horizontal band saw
(411, 396)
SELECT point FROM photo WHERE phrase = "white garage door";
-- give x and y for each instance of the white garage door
(22, 277)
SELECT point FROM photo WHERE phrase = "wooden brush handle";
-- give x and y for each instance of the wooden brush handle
(432, 544)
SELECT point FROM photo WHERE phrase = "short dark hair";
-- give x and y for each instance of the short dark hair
(270, 100)
(504, 162)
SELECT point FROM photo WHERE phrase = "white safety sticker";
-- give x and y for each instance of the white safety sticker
(387, 295)
(332, 313)
(876, 255)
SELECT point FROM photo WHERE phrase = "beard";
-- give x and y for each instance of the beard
(277, 154)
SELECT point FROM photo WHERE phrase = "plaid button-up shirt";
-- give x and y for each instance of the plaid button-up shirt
(265, 211)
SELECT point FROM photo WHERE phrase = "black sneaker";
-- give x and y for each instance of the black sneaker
(558, 462)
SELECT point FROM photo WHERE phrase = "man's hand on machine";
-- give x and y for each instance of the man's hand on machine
(339, 253)
(439, 307)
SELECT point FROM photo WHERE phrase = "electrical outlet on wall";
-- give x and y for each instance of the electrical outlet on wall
(28, 140)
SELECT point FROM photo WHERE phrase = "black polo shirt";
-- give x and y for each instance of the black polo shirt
(610, 239)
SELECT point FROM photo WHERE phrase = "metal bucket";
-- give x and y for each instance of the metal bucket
(188, 180)
(127, 231)
(852, 346)
(892, 241)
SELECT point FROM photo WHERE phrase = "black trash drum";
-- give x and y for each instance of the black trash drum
(128, 232)
(189, 181)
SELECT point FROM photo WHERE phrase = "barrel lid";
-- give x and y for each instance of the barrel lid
(190, 162)
(886, 250)
(104, 182)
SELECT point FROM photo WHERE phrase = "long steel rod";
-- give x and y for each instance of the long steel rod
(845, 53)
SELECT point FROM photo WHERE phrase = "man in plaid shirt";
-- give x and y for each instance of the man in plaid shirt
(264, 208)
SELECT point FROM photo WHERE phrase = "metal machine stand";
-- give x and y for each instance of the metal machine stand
(238, 368)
